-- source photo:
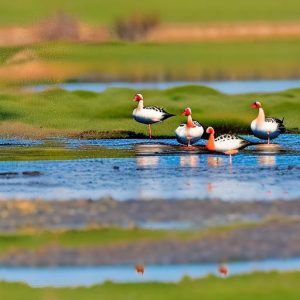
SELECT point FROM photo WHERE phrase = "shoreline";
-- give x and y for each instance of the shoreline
(40, 233)
(106, 212)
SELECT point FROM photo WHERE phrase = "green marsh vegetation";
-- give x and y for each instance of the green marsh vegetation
(33, 238)
(272, 285)
(274, 58)
(69, 113)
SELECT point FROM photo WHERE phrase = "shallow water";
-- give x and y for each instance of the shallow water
(161, 170)
(227, 87)
(86, 276)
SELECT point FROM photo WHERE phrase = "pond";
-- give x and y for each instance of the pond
(86, 276)
(227, 87)
(161, 169)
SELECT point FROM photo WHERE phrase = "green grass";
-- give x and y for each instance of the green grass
(260, 286)
(162, 62)
(144, 62)
(35, 238)
(189, 11)
(112, 109)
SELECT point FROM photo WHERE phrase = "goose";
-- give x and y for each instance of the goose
(191, 132)
(148, 114)
(225, 143)
(266, 128)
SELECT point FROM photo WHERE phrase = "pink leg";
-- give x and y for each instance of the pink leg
(230, 159)
(150, 131)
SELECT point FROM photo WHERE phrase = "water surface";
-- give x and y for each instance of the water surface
(87, 276)
(161, 170)
(227, 87)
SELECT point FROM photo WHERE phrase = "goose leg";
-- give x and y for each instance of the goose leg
(189, 137)
(150, 131)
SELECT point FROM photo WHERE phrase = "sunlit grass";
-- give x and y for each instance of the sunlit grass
(189, 11)
(212, 60)
(156, 62)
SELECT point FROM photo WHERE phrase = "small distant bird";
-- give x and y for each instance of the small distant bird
(148, 114)
(225, 143)
(140, 269)
(223, 270)
(266, 128)
(191, 132)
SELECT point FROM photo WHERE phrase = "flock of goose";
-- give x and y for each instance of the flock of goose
(265, 128)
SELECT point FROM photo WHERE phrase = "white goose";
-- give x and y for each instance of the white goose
(191, 132)
(266, 128)
(148, 114)
(224, 143)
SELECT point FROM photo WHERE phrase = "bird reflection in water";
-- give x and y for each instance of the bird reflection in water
(214, 161)
(266, 160)
(140, 269)
(189, 161)
(153, 149)
(210, 187)
(147, 161)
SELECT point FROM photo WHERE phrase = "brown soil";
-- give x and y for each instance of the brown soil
(276, 239)
(222, 32)
(37, 70)
(108, 212)
(165, 33)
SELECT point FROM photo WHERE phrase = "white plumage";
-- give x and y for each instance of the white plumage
(148, 114)
(191, 132)
(266, 128)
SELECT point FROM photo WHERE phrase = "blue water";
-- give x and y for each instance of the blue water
(161, 170)
(87, 276)
(228, 87)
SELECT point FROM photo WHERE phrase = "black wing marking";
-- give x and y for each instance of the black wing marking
(197, 123)
(156, 108)
(244, 142)
(165, 114)
(227, 137)
(279, 122)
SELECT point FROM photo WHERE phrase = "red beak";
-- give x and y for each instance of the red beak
(253, 105)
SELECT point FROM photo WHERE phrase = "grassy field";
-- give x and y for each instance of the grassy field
(273, 286)
(154, 62)
(69, 112)
(34, 239)
(189, 11)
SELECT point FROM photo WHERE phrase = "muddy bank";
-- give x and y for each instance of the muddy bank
(276, 239)
(23, 214)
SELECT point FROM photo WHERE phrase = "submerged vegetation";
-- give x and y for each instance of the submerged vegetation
(42, 152)
(103, 115)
